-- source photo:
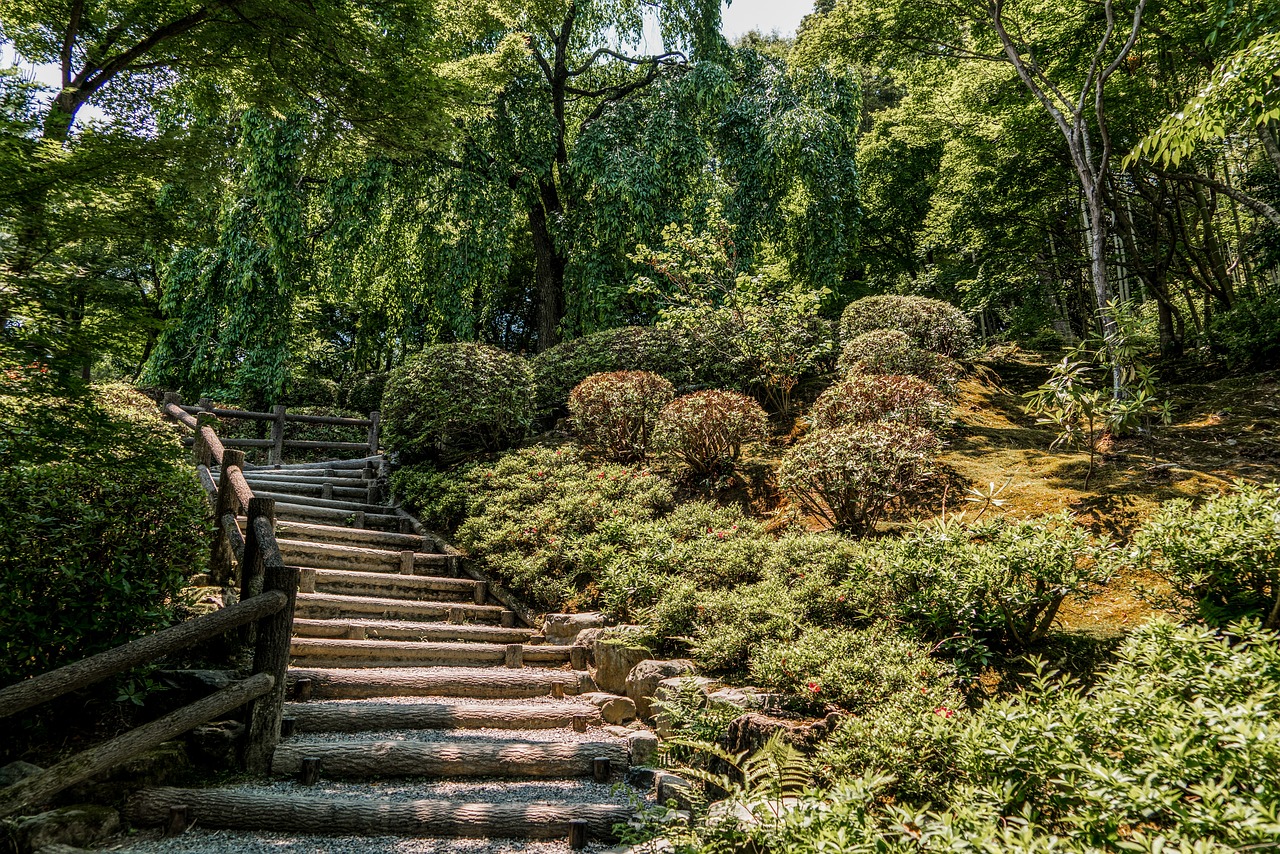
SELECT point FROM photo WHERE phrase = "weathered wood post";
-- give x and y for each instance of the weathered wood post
(228, 502)
(276, 456)
(252, 568)
(200, 453)
(375, 426)
(171, 398)
(271, 649)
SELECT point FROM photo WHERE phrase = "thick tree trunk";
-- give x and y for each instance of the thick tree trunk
(549, 273)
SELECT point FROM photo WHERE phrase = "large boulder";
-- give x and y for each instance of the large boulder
(613, 708)
(17, 771)
(563, 629)
(80, 826)
(615, 656)
(645, 677)
(644, 747)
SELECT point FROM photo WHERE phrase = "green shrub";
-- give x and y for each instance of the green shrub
(856, 669)
(364, 392)
(95, 543)
(892, 352)
(546, 521)
(616, 413)
(305, 390)
(931, 324)
(452, 400)
(1248, 333)
(864, 398)
(849, 475)
(1175, 748)
(995, 584)
(707, 429)
(1222, 559)
(302, 431)
(668, 352)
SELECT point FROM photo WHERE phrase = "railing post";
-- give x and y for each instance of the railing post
(277, 436)
(200, 452)
(375, 425)
(228, 502)
(252, 569)
(271, 656)
(171, 397)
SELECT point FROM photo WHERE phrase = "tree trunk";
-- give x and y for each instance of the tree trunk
(1270, 145)
(549, 272)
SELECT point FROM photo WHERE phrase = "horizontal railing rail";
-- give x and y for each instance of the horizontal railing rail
(279, 418)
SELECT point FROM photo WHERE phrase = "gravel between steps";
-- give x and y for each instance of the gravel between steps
(540, 736)
(235, 842)
(568, 702)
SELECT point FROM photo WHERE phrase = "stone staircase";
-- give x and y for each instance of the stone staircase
(417, 707)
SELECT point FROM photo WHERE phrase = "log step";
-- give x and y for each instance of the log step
(329, 504)
(436, 713)
(310, 490)
(388, 585)
(332, 605)
(473, 682)
(365, 760)
(345, 477)
(337, 465)
(229, 809)
(383, 653)
(324, 515)
(350, 557)
(332, 534)
(408, 630)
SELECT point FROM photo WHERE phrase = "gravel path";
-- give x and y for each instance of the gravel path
(570, 701)
(234, 842)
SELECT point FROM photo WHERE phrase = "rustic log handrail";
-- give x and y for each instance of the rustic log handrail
(87, 671)
(279, 417)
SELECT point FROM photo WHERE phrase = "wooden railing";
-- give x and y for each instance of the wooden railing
(279, 417)
(263, 615)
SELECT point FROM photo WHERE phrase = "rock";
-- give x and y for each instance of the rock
(613, 708)
(199, 683)
(617, 731)
(587, 638)
(672, 787)
(80, 826)
(746, 699)
(563, 629)
(643, 681)
(751, 731)
(614, 660)
(15, 771)
(216, 745)
(644, 747)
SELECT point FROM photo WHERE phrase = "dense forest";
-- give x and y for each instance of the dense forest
(915, 372)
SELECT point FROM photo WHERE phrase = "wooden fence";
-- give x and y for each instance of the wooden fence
(263, 616)
(279, 416)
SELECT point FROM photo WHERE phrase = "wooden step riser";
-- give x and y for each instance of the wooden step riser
(375, 584)
(324, 516)
(306, 490)
(334, 504)
(439, 632)
(305, 653)
(346, 476)
(376, 716)
(481, 684)
(355, 559)
(462, 758)
(355, 607)
(286, 813)
(358, 537)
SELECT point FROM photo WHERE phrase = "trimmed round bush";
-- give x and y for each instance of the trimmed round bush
(659, 350)
(452, 400)
(863, 398)
(848, 475)
(707, 429)
(616, 413)
(889, 352)
(931, 324)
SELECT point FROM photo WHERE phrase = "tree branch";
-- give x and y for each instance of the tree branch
(1258, 206)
